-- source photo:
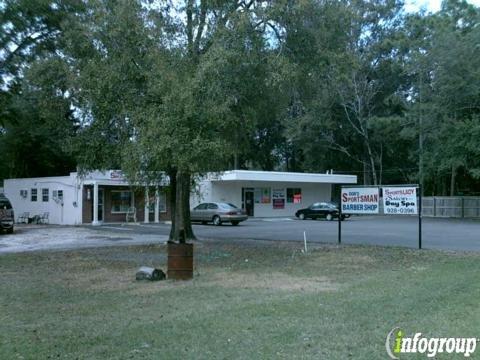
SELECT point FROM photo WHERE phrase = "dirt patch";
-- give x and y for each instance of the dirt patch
(272, 281)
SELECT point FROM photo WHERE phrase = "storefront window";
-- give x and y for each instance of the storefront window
(294, 195)
(262, 196)
(121, 201)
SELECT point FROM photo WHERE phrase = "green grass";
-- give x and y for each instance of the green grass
(249, 300)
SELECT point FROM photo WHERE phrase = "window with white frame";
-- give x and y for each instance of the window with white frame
(57, 195)
(45, 194)
(121, 201)
(33, 195)
(163, 202)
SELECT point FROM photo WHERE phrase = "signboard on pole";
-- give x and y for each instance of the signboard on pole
(400, 200)
(361, 200)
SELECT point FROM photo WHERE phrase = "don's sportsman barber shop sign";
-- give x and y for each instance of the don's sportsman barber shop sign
(362, 200)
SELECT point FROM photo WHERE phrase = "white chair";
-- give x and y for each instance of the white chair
(131, 215)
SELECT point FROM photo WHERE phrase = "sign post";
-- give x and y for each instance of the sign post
(404, 200)
(357, 200)
(397, 200)
(340, 222)
(419, 189)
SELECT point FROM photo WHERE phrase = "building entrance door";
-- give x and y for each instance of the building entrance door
(248, 201)
(100, 204)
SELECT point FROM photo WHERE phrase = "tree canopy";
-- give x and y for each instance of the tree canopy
(192, 86)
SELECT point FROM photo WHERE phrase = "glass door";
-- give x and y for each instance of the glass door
(248, 200)
(101, 199)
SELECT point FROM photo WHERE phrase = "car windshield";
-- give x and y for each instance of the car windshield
(4, 203)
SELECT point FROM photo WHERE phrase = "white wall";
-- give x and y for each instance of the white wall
(231, 191)
(68, 214)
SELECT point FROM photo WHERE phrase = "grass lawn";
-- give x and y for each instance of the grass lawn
(249, 300)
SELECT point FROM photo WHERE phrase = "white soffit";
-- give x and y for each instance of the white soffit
(274, 176)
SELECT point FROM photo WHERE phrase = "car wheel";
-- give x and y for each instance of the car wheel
(329, 217)
(235, 223)
(10, 231)
(216, 220)
(301, 216)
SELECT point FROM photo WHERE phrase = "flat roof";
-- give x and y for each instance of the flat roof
(277, 176)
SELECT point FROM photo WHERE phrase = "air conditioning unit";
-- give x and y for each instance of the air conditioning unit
(24, 193)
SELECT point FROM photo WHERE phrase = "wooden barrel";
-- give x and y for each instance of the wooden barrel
(180, 261)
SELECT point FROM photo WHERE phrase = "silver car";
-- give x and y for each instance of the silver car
(217, 213)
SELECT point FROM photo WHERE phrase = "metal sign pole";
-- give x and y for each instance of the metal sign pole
(420, 217)
(340, 219)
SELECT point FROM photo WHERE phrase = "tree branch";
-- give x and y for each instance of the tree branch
(201, 26)
(190, 26)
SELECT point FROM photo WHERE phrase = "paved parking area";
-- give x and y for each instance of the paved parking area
(445, 234)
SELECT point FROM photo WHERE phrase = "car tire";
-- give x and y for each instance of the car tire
(10, 231)
(301, 216)
(329, 217)
(216, 220)
(235, 223)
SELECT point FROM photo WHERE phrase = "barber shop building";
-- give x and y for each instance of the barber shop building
(107, 197)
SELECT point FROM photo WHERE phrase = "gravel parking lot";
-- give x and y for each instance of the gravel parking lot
(51, 237)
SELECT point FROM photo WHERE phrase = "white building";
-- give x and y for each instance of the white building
(107, 197)
(93, 198)
(268, 193)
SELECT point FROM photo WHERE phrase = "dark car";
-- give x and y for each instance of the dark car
(217, 213)
(326, 210)
(6, 215)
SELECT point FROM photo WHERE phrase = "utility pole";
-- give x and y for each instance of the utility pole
(420, 135)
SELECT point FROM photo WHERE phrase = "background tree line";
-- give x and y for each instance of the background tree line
(360, 87)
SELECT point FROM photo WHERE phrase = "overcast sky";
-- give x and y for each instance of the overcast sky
(429, 5)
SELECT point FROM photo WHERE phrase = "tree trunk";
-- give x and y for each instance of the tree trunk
(452, 181)
(371, 161)
(172, 174)
(235, 160)
(181, 224)
(366, 173)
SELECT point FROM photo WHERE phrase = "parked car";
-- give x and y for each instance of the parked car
(326, 210)
(6, 215)
(218, 213)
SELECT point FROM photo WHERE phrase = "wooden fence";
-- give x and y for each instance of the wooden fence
(451, 206)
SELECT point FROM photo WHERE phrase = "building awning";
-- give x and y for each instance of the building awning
(276, 176)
